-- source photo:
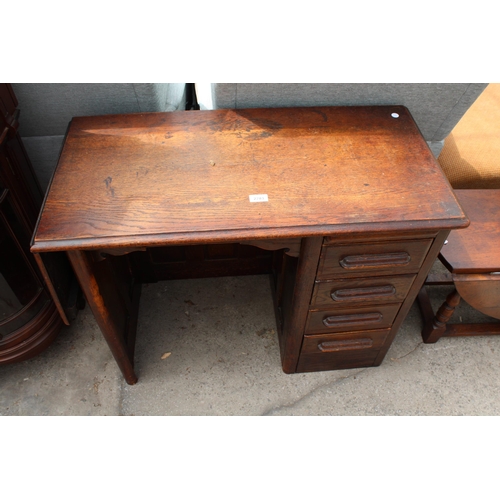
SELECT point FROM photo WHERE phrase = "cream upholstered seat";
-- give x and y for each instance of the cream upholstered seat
(471, 154)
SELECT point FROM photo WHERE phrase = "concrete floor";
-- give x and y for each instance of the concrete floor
(224, 360)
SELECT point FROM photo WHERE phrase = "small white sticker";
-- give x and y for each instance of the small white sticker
(255, 198)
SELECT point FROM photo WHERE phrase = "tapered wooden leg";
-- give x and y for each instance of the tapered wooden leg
(111, 309)
(436, 328)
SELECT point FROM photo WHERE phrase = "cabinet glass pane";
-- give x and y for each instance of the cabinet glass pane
(17, 285)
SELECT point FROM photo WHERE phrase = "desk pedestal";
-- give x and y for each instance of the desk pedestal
(338, 305)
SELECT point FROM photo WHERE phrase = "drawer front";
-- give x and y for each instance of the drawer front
(339, 351)
(373, 259)
(356, 318)
(361, 291)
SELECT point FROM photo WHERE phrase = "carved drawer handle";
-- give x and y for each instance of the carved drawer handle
(369, 292)
(345, 345)
(352, 319)
(375, 260)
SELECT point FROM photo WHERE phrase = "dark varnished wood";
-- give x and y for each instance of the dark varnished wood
(370, 292)
(473, 256)
(8, 106)
(434, 329)
(345, 345)
(33, 336)
(481, 291)
(356, 291)
(383, 257)
(113, 307)
(343, 350)
(427, 264)
(357, 318)
(356, 236)
(289, 246)
(395, 316)
(368, 261)
(50, 284)
(316, 344)
(29, 320)
(295, 313)
(182, 181)
(424, 305)
(476, 249)
(165, 178)
(200, 261)
(468, 330)
(437, 325)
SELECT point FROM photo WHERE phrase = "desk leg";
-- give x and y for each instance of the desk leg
(295, 315)
(112, 309)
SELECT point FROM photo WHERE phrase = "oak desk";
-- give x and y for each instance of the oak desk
(348, 203)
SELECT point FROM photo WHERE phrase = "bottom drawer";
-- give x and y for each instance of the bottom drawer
(339, 351)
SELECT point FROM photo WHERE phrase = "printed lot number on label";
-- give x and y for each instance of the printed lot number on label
(255, 198)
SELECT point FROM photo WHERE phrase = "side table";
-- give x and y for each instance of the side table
(473, 258)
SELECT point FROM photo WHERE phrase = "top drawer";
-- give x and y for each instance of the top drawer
(370, 259)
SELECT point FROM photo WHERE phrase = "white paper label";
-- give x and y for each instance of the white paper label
(255, 198)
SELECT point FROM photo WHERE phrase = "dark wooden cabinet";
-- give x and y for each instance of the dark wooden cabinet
(29, 320)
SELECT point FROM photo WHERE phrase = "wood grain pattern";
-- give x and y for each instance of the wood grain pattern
(480, 291)
(115, 312)
(316, 344)
(347, 350)
(165, 178)
(352, 292)
(345, 345)
(477, 248)
(376, 258)
(200, 261)
(414, 290)
(435, 329)
(359, 177)
(295, 308)
(474, 257)
(357, 318)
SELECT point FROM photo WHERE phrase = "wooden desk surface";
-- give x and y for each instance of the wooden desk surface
(167, 178)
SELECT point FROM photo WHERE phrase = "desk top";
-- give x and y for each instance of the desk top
(477, 248)
(189, 176)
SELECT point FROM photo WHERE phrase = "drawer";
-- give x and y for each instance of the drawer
(361, 291)
(355, 318)
(339, 351)
(373, 259)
